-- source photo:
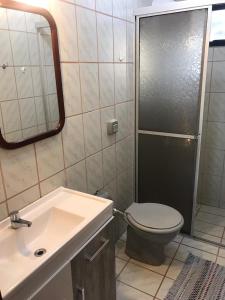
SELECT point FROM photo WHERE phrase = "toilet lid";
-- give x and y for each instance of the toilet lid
(154, 216)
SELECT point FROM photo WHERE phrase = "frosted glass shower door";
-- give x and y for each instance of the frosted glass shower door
(171, 50)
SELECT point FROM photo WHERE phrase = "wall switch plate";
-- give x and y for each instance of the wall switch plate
(112, 127)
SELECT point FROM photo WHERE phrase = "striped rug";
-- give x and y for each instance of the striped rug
(199, 279)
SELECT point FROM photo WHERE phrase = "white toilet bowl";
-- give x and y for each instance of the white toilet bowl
(151, 226)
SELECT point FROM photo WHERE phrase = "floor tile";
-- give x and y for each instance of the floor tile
(209, 218)
(141, 278)
(175, 269)
(171, 249)
(221, 252)
(207, 237)
(220, 261)
(164, 289)
(209, 228)
(178, 238)
(158, 269)
(200, 245)
(120, 264)
(125, 292)
(184, 251)
(213, 210)
(120, 250)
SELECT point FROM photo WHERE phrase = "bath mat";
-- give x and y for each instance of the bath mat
(199, 279)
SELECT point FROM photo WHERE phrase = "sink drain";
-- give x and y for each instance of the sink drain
(40, 252)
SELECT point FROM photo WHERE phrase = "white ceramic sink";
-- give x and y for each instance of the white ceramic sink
(56, 219)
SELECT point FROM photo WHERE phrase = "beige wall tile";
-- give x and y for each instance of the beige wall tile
(92, 132)
(105, 38)
(2, 192)
(49, 156)
(71, 89)
(89, 86)
(52, 183)
(64, 15)
(73, 140)
(76, 177)
(86, 51)
(3, 211)
(24, 199)
(94, 167)
(19, 169)
(104, 6)
(106, 82)
(87, 34)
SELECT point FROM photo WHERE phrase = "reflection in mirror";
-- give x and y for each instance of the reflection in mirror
(28, 97)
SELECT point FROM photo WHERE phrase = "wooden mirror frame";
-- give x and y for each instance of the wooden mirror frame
(10, 4)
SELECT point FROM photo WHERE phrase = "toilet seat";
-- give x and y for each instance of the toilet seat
(154, 217)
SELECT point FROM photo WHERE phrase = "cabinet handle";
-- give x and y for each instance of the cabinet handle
(98, 252)
(81, 292)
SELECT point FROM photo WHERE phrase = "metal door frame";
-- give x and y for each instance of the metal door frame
(161, 10)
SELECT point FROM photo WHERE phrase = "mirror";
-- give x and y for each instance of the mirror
(31, 100)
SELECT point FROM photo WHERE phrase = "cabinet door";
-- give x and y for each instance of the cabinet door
(93, 270)
(59, 288)
(99, 267)
(77, 269)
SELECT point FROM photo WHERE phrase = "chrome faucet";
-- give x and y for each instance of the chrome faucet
(17, 222)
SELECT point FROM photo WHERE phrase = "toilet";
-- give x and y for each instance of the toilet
(151, 226)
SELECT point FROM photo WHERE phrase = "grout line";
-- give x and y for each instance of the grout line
(175, 253)
(119, 280)
(99, 102)
(64, 160)
(37, 170)
(215, 236)
(148, 269)
(100, 62)
(97, 11)
(4, 187)
(222, 237)
(127, 261)
(42, 180)
(209, 222)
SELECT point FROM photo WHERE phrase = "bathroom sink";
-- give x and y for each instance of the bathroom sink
(48, 230)
(57, 218)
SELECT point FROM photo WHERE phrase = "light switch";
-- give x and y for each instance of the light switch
(112, 126)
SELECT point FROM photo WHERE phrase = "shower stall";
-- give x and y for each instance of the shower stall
(172, 97)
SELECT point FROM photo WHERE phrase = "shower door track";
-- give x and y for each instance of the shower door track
(175, 135)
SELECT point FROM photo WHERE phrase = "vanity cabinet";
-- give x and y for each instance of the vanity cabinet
(93, 269)
(88, 275)
(59, 288)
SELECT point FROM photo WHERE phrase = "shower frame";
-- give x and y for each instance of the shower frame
(162, 10)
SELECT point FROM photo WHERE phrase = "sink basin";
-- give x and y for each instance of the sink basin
(47, 231)
(56, 218)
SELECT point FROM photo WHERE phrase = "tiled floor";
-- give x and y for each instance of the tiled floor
(138, 281)
(210, 224)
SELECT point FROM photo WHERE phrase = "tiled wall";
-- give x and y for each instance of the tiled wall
(96, 47)
(22, 112)
(212, 168)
